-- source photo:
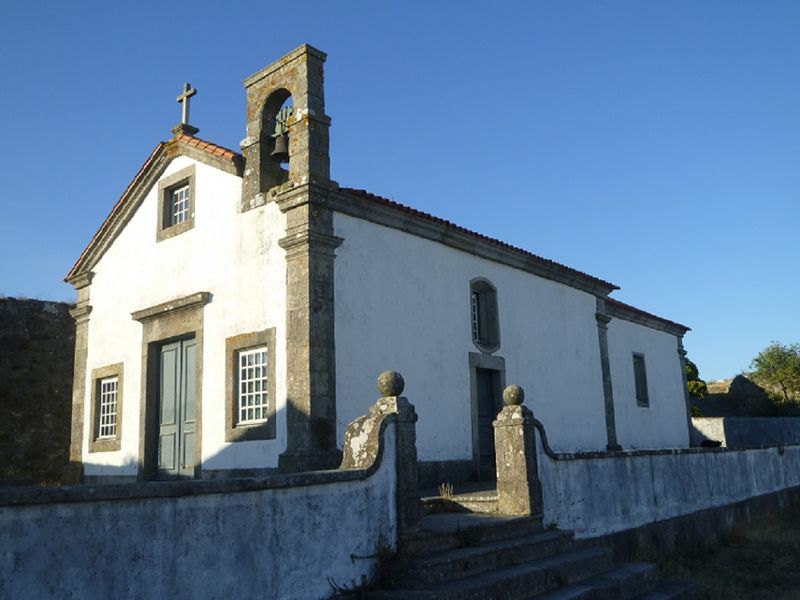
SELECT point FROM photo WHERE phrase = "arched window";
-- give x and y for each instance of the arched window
(485, 320)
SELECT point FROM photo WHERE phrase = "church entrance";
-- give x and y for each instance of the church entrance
(176, 409)
(489, 404)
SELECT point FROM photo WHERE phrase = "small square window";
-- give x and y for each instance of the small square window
(250, 379)
(106, 408)
(179, 206)
(176, 203)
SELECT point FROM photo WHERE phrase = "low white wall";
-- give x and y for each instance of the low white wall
(746, 432)
(284, 542)
(596, 495)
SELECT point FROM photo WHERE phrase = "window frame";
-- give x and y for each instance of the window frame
(235, 430)
(484, 318)
(640, 385)
(167, 187)
(98, 443)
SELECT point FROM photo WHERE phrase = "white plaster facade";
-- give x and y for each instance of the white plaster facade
(231, 254)
(401, 293)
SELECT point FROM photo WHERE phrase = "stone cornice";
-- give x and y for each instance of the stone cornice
(283, 61)
(292, 194)
(83, 280)
(417, 224)
(618, 310)
(313, 240)
(80, 313)
(187, 302)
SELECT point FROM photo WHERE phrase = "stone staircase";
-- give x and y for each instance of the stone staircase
(464, 555)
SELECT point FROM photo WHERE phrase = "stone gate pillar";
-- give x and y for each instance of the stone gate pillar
(364, 435)
(519, 489)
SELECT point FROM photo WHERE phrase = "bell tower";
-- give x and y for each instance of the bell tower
(275, 128)
(296, 77)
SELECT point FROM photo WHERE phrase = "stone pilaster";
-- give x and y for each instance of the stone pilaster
(81, 314)
(687, 397)
(608, 391)
(519, 490)
(310, 350)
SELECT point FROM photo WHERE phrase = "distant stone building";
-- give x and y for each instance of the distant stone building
(234, 310)
(37, 345)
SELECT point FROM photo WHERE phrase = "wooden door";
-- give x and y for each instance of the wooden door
(176, 410)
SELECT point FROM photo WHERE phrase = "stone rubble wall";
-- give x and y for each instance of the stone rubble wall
(37, 345)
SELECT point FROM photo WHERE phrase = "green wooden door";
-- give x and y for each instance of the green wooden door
(176, 412)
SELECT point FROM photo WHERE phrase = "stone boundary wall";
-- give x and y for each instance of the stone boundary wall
(747, 432)
(37, 345)
(599, 493)
(301, 535)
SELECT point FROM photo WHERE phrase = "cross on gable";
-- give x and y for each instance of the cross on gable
(188, 92)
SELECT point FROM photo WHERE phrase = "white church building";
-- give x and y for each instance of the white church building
(235, 309)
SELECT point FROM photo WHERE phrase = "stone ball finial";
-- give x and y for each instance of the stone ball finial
(390, 383)
(513, 395)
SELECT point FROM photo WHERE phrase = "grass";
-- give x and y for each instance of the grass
(759, 561)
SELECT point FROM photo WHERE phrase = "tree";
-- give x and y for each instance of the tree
(777, 368)
(697, 387)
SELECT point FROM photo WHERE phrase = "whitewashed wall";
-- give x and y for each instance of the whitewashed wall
(232, 255)
(664, 423)
(201, 539)
(593, 496)
(403, 303)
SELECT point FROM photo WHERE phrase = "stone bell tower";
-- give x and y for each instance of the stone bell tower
(301, 193)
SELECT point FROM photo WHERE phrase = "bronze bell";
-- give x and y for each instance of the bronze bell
(280, 153)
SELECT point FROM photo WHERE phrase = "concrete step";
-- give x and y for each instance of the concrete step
(455, 530)
(672, 589)
(515, 582)
(438, 567)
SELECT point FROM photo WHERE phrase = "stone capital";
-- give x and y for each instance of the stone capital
(514, 416)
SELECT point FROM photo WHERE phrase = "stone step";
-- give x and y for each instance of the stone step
(672, 589)
(455, 530)
(518, 581)
(438, 567)
(480, 501)
(621, 582)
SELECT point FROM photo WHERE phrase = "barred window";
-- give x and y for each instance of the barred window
(107, 424)
(179, 209)
(253, 397)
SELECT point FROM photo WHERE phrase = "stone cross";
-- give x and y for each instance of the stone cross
(188, 92)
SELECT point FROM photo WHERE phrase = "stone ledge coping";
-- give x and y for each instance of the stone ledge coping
(16, 496)
(644, 452)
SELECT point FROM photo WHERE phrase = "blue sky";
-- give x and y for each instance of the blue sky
(653, 144)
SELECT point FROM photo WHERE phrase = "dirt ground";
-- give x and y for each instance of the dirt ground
(760, 561)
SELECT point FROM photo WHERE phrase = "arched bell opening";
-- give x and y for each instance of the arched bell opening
(275, 147)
